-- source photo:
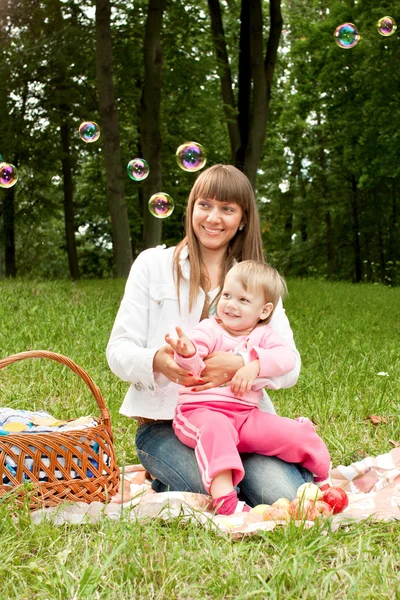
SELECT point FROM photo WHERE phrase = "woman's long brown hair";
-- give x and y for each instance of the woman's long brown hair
(224, 183)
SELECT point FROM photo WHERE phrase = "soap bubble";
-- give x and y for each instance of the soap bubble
(191, 156)
(8, 175)
(89, 131)
(56, 180)
(138, 169)
(161, 205)
(386, 26)
(346, 35)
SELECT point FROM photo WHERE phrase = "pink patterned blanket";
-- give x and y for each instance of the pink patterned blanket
(372, 484)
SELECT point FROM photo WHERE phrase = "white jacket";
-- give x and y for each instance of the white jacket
(149, 310)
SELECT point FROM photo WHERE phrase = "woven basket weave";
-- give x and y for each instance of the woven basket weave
(84, 459)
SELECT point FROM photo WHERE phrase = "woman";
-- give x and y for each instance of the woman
(180, 286)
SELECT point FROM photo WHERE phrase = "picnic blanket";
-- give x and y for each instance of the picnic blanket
(372, 484)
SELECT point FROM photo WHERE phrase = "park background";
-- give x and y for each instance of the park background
(326, 176)
(262, 85)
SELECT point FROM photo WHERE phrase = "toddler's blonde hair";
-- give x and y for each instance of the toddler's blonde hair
(258, 277)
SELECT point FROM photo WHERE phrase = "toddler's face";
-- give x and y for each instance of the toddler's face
(241, 310)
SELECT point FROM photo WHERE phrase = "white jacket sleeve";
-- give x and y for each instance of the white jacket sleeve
(127, 354)
(281, 326)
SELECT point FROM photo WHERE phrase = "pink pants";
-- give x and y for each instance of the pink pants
(219, 431)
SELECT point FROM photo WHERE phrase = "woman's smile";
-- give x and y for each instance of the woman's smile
(212, 231)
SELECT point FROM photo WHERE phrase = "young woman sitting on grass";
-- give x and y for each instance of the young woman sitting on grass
(181, 286)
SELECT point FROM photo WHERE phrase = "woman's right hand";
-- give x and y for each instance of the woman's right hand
(163, 362)
(220, 368)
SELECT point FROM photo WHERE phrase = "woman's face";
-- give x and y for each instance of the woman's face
(215, 223)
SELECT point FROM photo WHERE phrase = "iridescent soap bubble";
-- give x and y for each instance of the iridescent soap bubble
(89, 131)
(161, 205)
(191, 156)
(8, 175)
(138, 169)
(386, 26)
(346, 35)
(56, 180)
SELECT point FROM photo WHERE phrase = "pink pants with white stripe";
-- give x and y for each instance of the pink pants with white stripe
(220, 431)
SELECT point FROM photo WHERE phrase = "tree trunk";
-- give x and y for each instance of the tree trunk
(356, 230)
(255, 80)
(8, 232)
(245, 84)
(150, 136)
(329, 244)
(262, 74)
(330, 253)
(10, 265)
(68, 202)
(111, 141)
(392, 247)
(225, 75)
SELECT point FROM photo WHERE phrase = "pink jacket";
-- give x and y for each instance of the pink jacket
(275, 356)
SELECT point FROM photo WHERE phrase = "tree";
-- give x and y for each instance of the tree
(111, 140)
(255, 79)
(40, 76)
(333, 113)
(150, 135)
(62, 92)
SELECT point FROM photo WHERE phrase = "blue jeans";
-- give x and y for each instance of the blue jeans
(174, 466)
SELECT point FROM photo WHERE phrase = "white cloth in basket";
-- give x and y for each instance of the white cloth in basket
(29, 419)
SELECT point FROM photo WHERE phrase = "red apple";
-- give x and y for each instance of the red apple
(302, 508)
(323, 509)
(336, 498)
(324, 487)
(276, 513)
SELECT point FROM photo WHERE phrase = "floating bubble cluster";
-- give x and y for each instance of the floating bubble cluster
(56, 180)
(161, 205)
(89, 131)
(386, 26)
(8, 175)
(191, 156)
(346, 35)
(138, 169)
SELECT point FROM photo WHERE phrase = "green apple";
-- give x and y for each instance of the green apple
(259, 509)
(310, 491)
(282, 502)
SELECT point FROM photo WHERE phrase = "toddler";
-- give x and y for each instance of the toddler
(220, 423)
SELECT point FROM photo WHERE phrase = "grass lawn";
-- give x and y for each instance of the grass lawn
(347, 335)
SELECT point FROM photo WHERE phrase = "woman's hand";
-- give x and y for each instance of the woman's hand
(220, 368)
(163, 362)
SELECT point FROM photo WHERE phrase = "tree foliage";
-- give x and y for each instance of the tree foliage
(328, 180)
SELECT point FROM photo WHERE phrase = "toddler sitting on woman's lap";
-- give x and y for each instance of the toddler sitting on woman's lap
(220, 423)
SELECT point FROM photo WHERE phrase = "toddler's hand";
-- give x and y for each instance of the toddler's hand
(182, 345)
(244, 378)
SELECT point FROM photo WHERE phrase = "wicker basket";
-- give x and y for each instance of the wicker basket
(79, 465)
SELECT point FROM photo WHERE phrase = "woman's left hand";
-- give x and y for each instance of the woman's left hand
(220, 368)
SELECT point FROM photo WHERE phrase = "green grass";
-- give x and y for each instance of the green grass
(346, 334)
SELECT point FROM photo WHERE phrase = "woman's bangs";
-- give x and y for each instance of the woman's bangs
(220, 188)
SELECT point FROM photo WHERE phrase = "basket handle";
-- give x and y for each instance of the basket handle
(104, 412)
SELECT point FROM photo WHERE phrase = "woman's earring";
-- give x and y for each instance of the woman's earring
(241, 227)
